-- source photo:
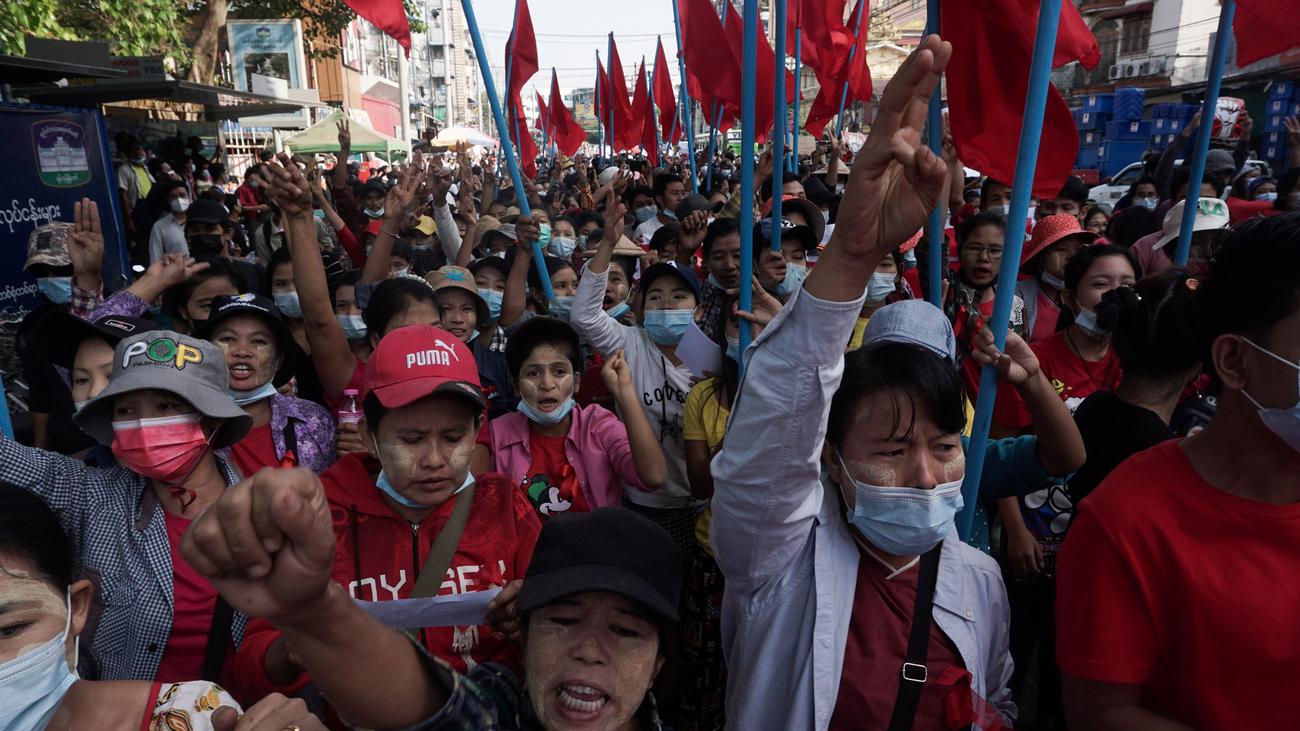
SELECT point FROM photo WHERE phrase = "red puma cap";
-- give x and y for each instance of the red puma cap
(420, 360)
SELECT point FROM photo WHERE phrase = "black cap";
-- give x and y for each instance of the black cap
(789, 231)
(206, 210)
(374, 185)
(690, 203)
(62, 333)
(607, 550)
(668, 268)
(225, 307)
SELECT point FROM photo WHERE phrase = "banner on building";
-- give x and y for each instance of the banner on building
(272, 49)
(56, 158)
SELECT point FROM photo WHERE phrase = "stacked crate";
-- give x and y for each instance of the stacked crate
(1167, 121)
(1283, 102)
(1091, 120)
(1126, 135)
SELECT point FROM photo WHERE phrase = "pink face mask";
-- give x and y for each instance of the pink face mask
(166, 449)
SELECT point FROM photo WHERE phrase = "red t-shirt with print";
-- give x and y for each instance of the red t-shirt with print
(252, 453)
(194, 601)
(552, 484)
(1073, 377)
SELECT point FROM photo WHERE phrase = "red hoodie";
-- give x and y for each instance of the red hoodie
(379, 554)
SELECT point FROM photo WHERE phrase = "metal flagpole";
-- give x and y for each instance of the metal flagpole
(748, 62)
(610, 110)
(685, 100)
(1031, 129)
(1212, 83)
(499, 117)
(650, 100)
(934, 228)
(778, 119)
(798, 92)
(600, 125)
(844, 93)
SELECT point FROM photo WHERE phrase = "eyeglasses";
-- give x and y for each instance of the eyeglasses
(992, 252)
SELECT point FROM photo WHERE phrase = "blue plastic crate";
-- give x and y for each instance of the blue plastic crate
(1128, 130)
(1129, 102)
(1187, 111)
(1279, 106)
(1090, 137)
(1158, 143)
(1176, 125)
(1273, 122)
(1274, 152)
(1281, 90)
(1091, 120)
(1162, 110)
(1098, 102)
(1295, 109)
(1159, 124)
(1275, 137)
(1118, 153)
(1089, 157)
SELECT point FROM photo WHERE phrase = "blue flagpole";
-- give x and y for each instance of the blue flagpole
(684, 99)
(715, 118)
(499, 117)
(798, 92)
(778, 119)
(844, 92)
(934, 227)
(748, 81)
(650, 99)
(505, 131)
(600, 125)
(1031, 129)
(1213, 80)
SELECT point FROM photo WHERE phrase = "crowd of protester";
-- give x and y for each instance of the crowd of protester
(340, 386)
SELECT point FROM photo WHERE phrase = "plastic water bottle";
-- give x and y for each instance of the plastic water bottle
(349, 409)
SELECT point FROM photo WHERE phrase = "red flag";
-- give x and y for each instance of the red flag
(635, 131)
(525, 147)
(565, 132)
(665, 98)
(764, 77)
(996, 42)
(834, 42)
(649, 127)
(625, 136)
(543, 122)
(521, 50)
(714, 66)
(388, 16)
(598, 102)
(1265, 28)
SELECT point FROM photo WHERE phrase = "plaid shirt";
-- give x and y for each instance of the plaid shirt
(85, 301)
(492, 698)
(119, 536)
(712, 300)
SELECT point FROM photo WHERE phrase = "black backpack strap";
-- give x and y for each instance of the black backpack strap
(914, 671)
(214, 654)
(291, 443)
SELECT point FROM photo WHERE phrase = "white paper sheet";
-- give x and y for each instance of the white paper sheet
(698, 352)
(438, 611)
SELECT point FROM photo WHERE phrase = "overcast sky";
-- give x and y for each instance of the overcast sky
(569, 32)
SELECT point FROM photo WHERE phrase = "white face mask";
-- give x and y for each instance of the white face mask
(34, 683)
(180, 205)
(1285, 423)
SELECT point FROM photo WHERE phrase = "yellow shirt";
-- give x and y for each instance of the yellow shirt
(705, 421)
(142, 176)
(859, 329)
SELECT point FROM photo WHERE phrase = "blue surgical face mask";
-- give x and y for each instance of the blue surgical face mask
(879, 286)
(34, 683)
(1285, 423)
(493, 300)
(794, 276)
(666, 327)
(244, 398)
(714, 281)
(288, 304)
(618, 310)
(582, 240)
(354, 327)
(733, 348)
(1270, 196)
(562, 246)
(561, 307)
(318, 213)
(670, 215)
(374, 214)
(1052, 280)
(56, 289)
(546, 418)
(909, 256)
(1147, 203)
(904, 521)
(384, 484)
(544, 234)
(1086, 319)
(645, 213)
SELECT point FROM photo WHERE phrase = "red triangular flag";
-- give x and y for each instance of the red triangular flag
(521, 50)
(665, 98)
(542, 123)
(1265, 28)
(997, 42)
(525, 147)
(714, 66)
(649, 129)
(565, 132)
(624, 135)
(598, 102)
(634, 134)
(833, 42)
(388, 16)
(764, 62)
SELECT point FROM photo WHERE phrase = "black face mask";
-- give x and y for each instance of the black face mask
(205, 244)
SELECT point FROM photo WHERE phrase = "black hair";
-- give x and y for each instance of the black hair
(627, 264)
(565, 218)
(1180, 176)
(979, 220)
(1129, 225)
(1074, 190)
(586, 217)
(1285, 185)
(219, 267)
(538, 331)
(984, 191)
(1254, 282)
(403, 249)
(350, 278)
(30, 530)
(278, 257)
(633, 191)
(664, 235)
(662, 181)
(717, 229)
(904, 371)
(1081, 262)
(1150, 324)
(1144, 180)
(391, 298)
(553, 264)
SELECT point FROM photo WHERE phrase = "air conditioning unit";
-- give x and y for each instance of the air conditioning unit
(1158, 64)
(1116, 71)
(1143, 67)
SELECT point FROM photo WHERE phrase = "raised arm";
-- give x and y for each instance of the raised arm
(647, 453)
(512, 301)
(339, 176)
(86, 250)
(329, 345)
(587, 315)
(397, 207)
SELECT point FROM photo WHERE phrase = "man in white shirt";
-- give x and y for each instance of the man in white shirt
(168, 233)
(669, 191)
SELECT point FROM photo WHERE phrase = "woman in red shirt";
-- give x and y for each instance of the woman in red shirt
(1056, 239)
